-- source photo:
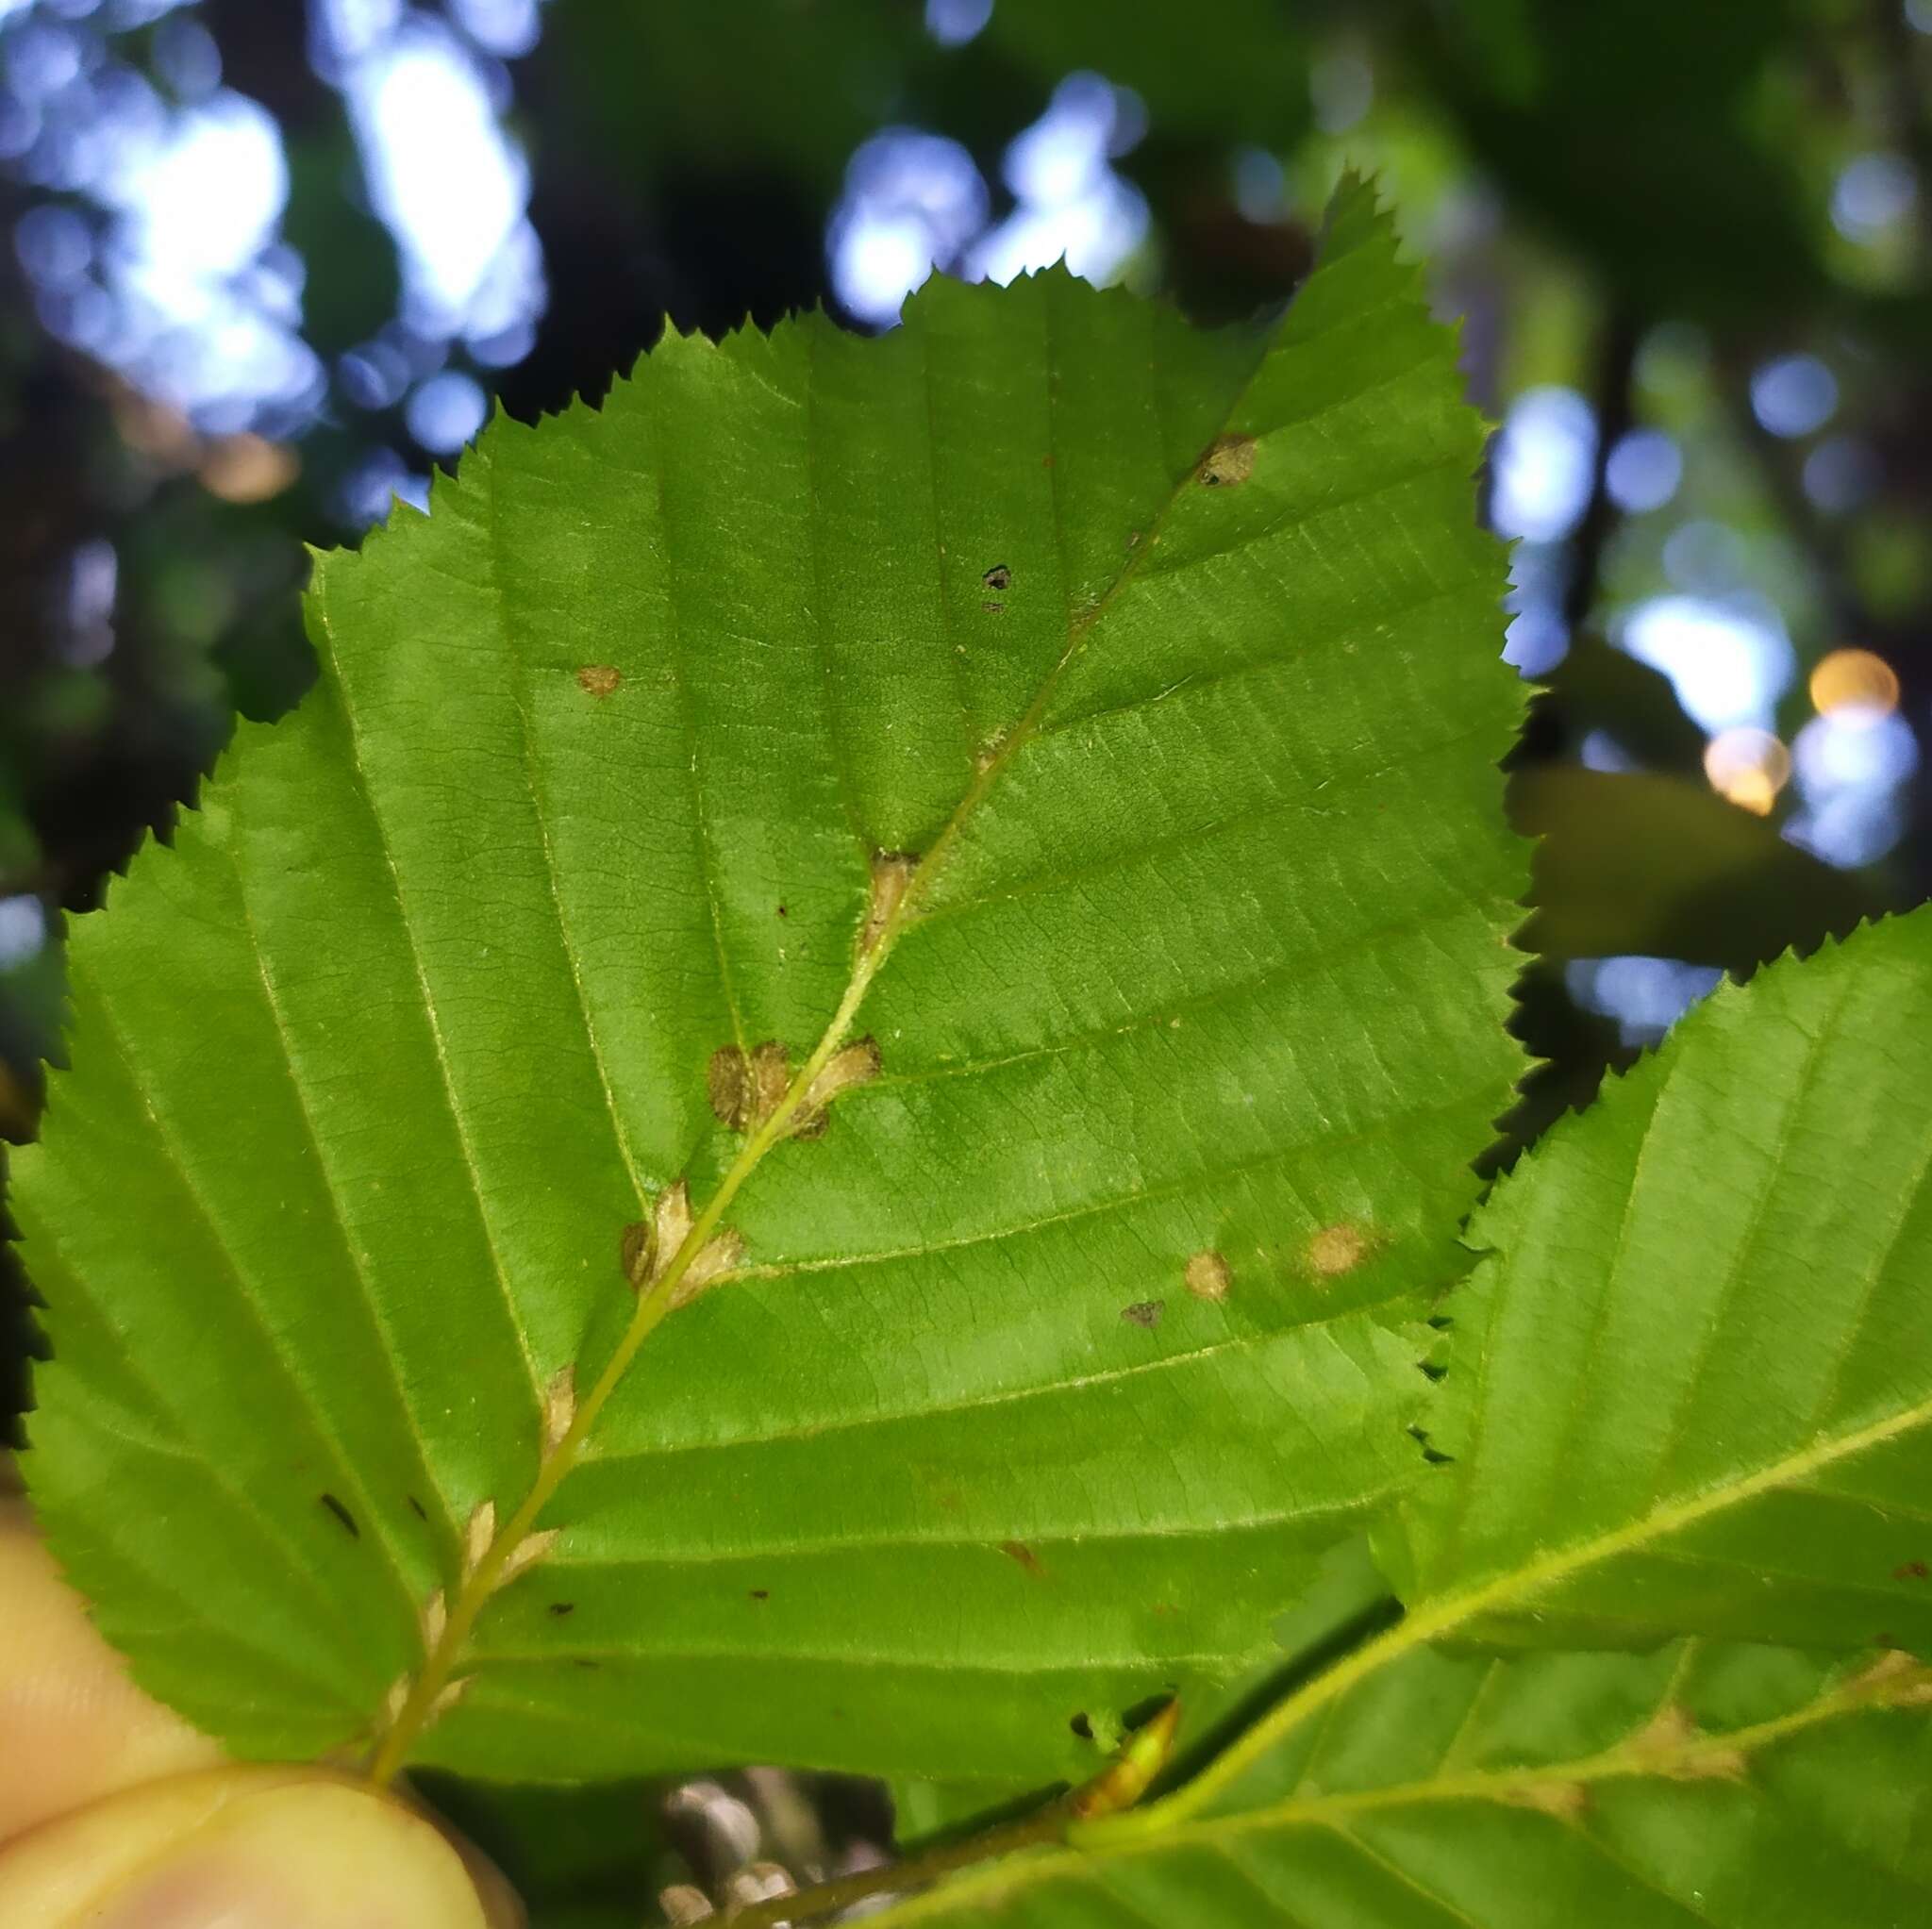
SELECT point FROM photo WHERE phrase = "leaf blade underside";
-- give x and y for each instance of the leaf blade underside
(1183, 653)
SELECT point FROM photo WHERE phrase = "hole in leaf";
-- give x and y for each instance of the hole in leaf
(1082, 1726)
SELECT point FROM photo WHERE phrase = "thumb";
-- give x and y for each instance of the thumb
(248, 1847)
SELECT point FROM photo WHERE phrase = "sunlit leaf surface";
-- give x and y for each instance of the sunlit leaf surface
(1098, 718)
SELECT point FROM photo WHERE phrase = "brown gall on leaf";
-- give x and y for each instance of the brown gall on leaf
(452, 1693)
(714, 1259)
(638, 1252)
(1229, 461)
(527, 1554)
(1022, 1556)
(746, 1091)
(599, 679)
(1208, 1276)
(1895, 1680)
(892, 872)
(1911, 1570)
(1335, 1250)
(845, 1070)
(672, 1225)
(559, 1407)
(682, 1906)
(1144, 1313)
(478, 1534)
(1561, 1801)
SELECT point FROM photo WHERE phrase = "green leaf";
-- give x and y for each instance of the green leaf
(1730, 1786)
(1048, 1367)
(1690, 1390)
(1661, 866)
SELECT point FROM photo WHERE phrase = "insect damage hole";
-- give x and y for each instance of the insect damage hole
(1230, 459)
(599, 679)
(998, 577)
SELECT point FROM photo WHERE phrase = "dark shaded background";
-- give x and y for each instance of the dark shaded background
(266, 262)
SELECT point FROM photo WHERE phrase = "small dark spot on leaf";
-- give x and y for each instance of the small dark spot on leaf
(783, 912)
(342, 1514)
(1021, 1556)
(560, 1608)
(1082, 1726)
(993, 608)
(416, 1507)
(578, 1662)
(1046, 461)
(1145, 1312)
(1433, 1369)
(1912, 1570)
(599, 679)
(998, 577)
(1229, 459)
(760, 1593)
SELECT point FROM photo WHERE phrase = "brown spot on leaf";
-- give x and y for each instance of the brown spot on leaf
(760, 1593)
(1564, 1801)
(342, 1514)
(783, 912)
(845, 1070)
(998, 577)
(1911, 1570)
(1230, 459)
(1336, 1249)
(1022, 1556)
(892, 872)
(1144, 1313)
(416, 1507)
(560, 1608)
(637, 1252)
(1208, 1276)
(599, 679)
(993, 608)
(745, 1091)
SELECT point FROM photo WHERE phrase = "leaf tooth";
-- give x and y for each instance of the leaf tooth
(479, 1536)
(559, 1406)
(433, 1620)
(527, 1554)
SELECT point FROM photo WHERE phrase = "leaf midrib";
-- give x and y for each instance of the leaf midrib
(418, 1706)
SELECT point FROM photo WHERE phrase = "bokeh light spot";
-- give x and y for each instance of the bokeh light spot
(1854, 677)
(1747, 767)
